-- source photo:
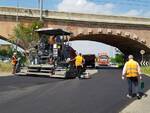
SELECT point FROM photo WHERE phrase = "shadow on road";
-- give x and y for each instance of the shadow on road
(107, 67)
(41, 76)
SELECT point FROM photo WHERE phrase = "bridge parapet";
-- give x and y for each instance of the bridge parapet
(74, 16)
(20, 12)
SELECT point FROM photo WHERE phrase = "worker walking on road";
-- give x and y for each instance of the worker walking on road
(132, 72)
(14, 62)
(79, 60)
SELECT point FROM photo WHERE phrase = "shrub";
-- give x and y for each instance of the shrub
(5, 67)
(145, 70)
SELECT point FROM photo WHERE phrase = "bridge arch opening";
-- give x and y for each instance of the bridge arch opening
(4, 40)
(92, 47)
(125, 43)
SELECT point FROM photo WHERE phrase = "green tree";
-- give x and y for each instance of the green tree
(10, 52)
(3, 52)
(35, 25)
(119, 58)
(112, 59)
(25, 34)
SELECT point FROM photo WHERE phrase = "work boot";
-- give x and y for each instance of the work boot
(138, 96)
(129, 96)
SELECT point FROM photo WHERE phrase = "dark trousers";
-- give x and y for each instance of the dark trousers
(79, 71)
(14, 69)
(132, 81)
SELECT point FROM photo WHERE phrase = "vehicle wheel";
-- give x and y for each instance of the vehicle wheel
(93, 66)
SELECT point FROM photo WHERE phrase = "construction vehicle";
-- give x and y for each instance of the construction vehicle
(89, 60)
(51, 55)
(103, 59)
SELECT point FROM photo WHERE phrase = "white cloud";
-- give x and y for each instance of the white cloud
(85, 6)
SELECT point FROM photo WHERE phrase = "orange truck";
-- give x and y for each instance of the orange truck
(103, 59)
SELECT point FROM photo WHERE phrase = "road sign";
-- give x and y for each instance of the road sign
(142, 52)
(145, 63)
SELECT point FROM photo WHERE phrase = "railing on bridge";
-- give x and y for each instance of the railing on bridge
(20, 12)
(74, 16)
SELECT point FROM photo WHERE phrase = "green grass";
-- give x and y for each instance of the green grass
(146, 70)
(5, 67)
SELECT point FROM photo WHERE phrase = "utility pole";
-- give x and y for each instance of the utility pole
(17, 9)
(41, 9)
(38, 4)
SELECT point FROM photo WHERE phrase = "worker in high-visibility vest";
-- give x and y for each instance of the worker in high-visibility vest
(79, 60)
(132, 72)
(14, 62)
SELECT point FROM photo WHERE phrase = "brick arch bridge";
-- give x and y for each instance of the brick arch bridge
(129, 34)
(127, 42)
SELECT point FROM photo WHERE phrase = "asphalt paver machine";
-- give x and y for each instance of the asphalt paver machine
(51, 55)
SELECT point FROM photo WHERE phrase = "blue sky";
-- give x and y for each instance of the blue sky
(136, 8)
(113, 7)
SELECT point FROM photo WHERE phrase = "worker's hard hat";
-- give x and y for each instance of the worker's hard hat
(68, 60)
(14, 53)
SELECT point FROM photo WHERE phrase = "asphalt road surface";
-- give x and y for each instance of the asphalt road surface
(104, 93)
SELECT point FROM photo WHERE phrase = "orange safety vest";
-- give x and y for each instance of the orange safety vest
(78, 60)
(131, 68)
(14, 60)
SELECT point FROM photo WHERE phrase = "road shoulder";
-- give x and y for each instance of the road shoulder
(3, 74)
(139, 106)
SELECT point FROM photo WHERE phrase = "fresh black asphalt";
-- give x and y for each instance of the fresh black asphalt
(104, 93)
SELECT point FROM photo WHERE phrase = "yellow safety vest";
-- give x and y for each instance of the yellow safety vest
(131, 68)
(78, 60)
